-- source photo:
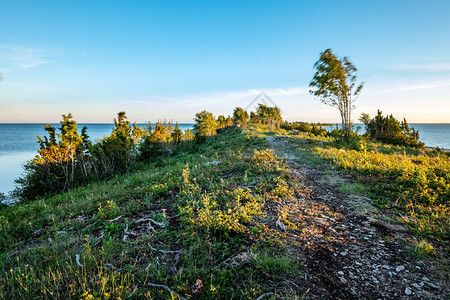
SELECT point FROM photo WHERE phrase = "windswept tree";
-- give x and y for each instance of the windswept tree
(221, 122)
(240, 116)
(205, 124)
(334, 83)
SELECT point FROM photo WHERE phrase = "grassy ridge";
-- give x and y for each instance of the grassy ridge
(195, 223)
(415, 184)
(202, 224)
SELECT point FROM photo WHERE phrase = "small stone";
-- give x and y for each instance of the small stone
(343, 253)
(425, 278)
(399, 268)
(358, 263)
(386, 267)
(341, 273)
(408, 291)
(421, 283)
(416, 286)
(418, 268)
(432, 285)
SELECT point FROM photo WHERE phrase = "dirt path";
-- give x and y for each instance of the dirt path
(348, 252)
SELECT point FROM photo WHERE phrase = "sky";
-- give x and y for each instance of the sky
(171, 59)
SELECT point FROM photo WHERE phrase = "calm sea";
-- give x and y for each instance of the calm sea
(433, 135)
(18, 144)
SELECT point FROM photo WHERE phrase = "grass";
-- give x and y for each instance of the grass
(207, 230)
(178, 222)
(412, 183)
(352, 188)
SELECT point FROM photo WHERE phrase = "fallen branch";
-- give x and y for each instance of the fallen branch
(264, 295)
(175, 264)
(165, 251)
(130, 232)
(160, 224)
(77, 259)
(115, 219)
(167, 289)
(110, 266)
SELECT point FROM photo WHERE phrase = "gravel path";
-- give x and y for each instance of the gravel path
(348, 251)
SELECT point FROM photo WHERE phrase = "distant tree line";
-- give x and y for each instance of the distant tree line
(67, 159)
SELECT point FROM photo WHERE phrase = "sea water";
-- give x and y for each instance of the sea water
(18, 144)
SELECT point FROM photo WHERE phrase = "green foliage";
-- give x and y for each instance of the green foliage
(221, 122)
(254, 118)
(318, 130)
(421, 249)
(417, 184)
(270, 116)
(205, 125)
(154, 143)
(389, 130)
(177, 134)
(240, 117)
(117, 152)
(60, 163)
(266, 113)
(209, 213)
(300, 126)
(334, 83)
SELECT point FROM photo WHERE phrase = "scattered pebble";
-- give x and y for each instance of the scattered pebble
(416, 286)
(408, 291)
(341, 273)
(432, 285)
(399, 268)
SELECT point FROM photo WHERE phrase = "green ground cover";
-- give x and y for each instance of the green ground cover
(194, 222)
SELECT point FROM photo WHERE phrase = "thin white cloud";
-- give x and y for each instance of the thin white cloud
(421, 86)
(423, 67)
(14, 56)
(204, 99)
(33, 64)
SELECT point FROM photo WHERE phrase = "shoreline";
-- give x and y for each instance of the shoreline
(435, 148)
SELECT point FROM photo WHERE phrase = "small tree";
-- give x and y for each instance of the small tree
(229, 121)
(221, 122)
(205, 124)
(177, 134)
(188, 135)
(60, 164)
(240, 116)
(334, 83)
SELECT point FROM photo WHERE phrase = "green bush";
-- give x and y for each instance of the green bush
(389, 130)
(205, 125)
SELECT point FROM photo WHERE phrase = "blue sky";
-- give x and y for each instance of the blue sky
(171, 59)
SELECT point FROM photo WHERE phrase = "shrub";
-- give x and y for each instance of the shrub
(300, 126)
(154, 142)
(240, 117)
(205, 125)
(61, 162)
(67, 160)
(389, 130)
